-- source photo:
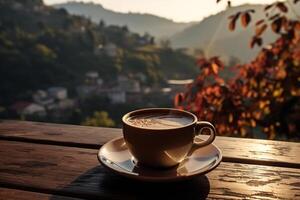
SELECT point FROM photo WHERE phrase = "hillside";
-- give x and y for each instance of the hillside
(140, 23)
(41, 46)
(212, 35)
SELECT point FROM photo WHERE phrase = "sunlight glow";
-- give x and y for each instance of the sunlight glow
(263, 151)
(177, 10)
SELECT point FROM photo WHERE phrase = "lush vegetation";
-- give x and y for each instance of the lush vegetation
(99, 119)
(41, 46)
(264, 96)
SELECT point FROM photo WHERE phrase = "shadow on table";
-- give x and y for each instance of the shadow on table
(99, 183)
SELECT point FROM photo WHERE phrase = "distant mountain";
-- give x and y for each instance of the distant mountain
(214, 38)
(41, 46)
(136, 22)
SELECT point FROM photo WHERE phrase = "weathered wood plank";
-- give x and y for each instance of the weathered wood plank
(266, 152)
(50, 133)
(76, 172)
(14, 194)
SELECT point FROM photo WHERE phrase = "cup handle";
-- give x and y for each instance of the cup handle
(200, 126)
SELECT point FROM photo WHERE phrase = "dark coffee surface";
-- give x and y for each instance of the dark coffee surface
(159, 121)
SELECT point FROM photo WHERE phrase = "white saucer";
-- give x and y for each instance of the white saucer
(115, 156)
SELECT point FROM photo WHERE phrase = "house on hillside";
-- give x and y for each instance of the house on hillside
(92, 85)
(34, 109)
(116, 96)
(41, 97)
(61, 102)
(143, 41)
(92, 78)
(91, 75)
(98, 50)
(58, 92)
(128, 85)
(29, 108)
(84, 91)
(122, 78)
(141, 77)
(177, 86)
(133, 97)
(66, 104)
(111, 50)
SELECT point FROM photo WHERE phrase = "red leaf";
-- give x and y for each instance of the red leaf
(255, 40)
(230, 118)
(260, 30)
(231, 25)
(259, 41)
(217, 61)
(252, 42)
(297, 25)
(281, 74)
(276, 25)
(234, 16)
(178, 99)
(259, 22)
(251, 10)
(209, 90)
(201, 62)
(215, 68)
(268, 7)
(282, 7)
(274, 16)
(285, 23)
(232, 22)
(245, 19)
(219, 80)
(231, 16)
(206, 71)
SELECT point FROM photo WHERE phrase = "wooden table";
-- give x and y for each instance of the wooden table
(52, 161)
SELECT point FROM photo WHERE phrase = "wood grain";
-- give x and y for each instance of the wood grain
(76, 172)
(58, 134)
(251, 151)
(14, 194)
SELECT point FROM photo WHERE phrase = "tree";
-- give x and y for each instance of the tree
(101, 24)
(125, 29)
(152, 41)
(99, 118)
(275, 17)
(264, 96)
(165, 44)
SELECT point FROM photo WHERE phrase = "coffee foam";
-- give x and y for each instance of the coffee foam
(159, 121)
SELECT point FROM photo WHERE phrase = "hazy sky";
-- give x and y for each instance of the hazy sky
(178, 10)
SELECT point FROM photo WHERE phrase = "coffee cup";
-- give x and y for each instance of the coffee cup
(163, 137)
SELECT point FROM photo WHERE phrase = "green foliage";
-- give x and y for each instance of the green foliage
(44, 52)
(41, 46)
(99, 119)
(175, 64)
